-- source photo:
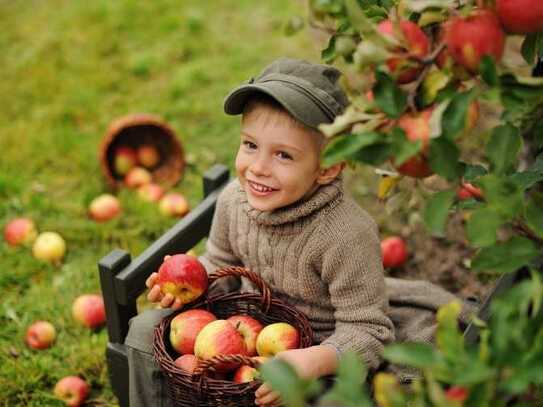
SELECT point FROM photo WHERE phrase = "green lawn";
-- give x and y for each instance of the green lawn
(68, 69)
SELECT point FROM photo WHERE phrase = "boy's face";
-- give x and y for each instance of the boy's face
(278, 162)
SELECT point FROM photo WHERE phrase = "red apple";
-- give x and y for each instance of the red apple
(457, 393)
(187, 363)
(148, 155)
(393, 251)
(89, 310)
(40, 335)
(467, 191)
(219, 337)
(49, 246)
(469, 38)
(249, 328)
(104, 207)
(520, 16)
(277, 337)
(150, 192)
(173, 204)
(245, 374)
(72, 390)
(417, 127)
(182, 276)
(20, 231)
(137, 177)
(186, 326)
(416, 43)
(125, 158)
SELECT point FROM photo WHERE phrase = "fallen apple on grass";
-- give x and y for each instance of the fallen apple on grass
(182, 276)
(137, 177)
(277, 337)
(20, 231)
(185, 326)
(393, 251)
(249, 328)
(73, 390)
(40, 335)
(49, 246)
(188, 363)
(148, 155)
(150, 192)
(173, 204)
(125, 158)
(104, 207)
(89, 310)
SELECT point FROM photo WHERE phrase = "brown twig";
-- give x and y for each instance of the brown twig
(321, 27)
(412, 94)
(524, 230)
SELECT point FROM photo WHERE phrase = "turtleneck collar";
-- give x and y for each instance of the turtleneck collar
(324, 195)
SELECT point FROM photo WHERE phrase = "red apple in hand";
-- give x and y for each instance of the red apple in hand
(417, 127)
(72, 390)
(187, 363)
(148, 155)
(521, 16)
(150, 192)
(137, 177)
(182, 276)
(104, 207)
(249, 328)
(89, 310)
(173, 204)
(186, 326)
(40, 335)
(394, 251)
(49, 246)
(219, 337)
(417, 45)
(246, 373)
(124, 160)
(277, 337)
(470, 38)
(20, 231)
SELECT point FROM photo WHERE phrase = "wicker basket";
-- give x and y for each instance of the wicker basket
(202, 390)
(139, 129)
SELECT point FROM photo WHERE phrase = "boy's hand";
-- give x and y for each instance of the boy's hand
(155, 295)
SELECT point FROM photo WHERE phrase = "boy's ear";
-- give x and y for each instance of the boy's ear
(328, 174)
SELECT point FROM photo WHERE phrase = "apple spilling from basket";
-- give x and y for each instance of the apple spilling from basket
(197, 334)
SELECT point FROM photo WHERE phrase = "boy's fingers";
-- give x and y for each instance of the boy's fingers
(166, 301)
(262, 390)
(154, 294)
(269, 399)
(176, 304)
(151, 280)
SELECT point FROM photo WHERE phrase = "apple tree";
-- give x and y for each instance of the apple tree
(428, 71)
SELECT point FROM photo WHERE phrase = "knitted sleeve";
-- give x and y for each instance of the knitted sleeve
(352, 269)
(218, 249)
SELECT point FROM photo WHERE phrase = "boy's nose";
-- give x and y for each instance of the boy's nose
(260, 166)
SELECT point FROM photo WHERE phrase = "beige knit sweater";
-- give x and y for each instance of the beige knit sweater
(321, 255)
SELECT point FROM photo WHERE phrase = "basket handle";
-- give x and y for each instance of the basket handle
(262, 286)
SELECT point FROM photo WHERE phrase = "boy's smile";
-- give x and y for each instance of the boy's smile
(278, 160)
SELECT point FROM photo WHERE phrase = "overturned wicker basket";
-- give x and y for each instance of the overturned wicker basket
(202, 390)
(139, 129)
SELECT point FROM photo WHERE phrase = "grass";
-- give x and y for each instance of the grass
(69, 68)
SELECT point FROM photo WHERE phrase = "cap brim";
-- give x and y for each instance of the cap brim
(298, 104)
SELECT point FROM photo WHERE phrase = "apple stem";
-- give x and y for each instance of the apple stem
(413, 93)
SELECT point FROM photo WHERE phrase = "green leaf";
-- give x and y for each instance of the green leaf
(534, 217)
(436, 211)
(328, 54)
(419, 355)
(444, 156)
(502, 195)
(388, 96)
(293, 25)
(482, 226)
(435, 81)
(488, 71)
(345, 146)
(506, 257)
(453, 122)
(448, 338)
(503, 147)
(472, 172)
(532, 47)
(375, 154)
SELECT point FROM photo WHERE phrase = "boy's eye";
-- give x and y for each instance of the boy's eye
(249, 145)
(284, 156)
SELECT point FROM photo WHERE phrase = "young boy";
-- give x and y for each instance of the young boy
(289, 219)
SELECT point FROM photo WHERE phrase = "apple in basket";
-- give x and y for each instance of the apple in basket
(20, 231)
(187, 363)
(186, 326)
(277, 337)
(249, 328)
(148, 155)
(219, 337)
(247, 373)
(125, 158)
(182, 276)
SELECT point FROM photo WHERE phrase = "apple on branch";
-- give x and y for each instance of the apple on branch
(40, 335)
(20, 231)
(185, 326)
(417, 127)
(73, 390)
(277, 337)
(104, 207)
(148, 155)
(393, 251)
(521, 16)
(468, 191)
(49, 246)
(182, 276)
(125, 158)
(249, 328)
(89, 310)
